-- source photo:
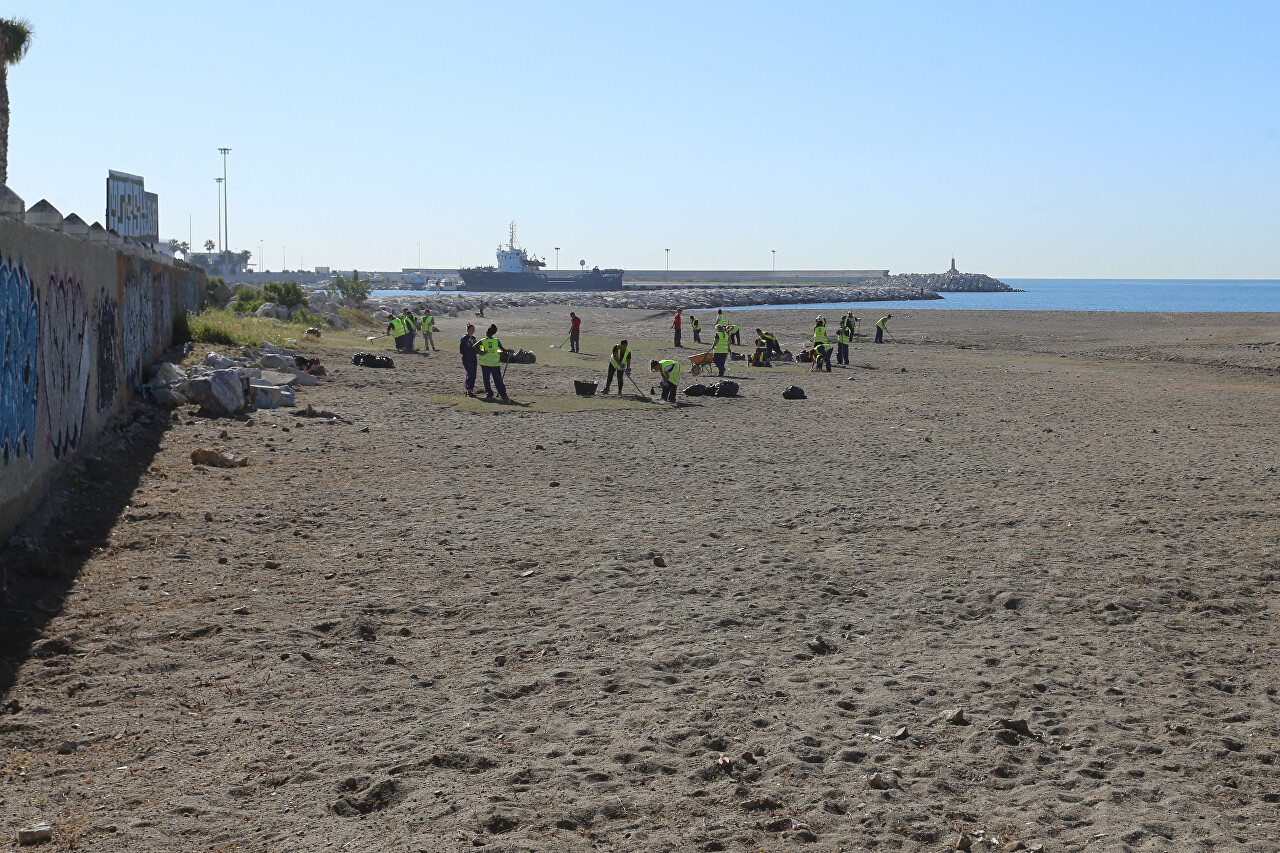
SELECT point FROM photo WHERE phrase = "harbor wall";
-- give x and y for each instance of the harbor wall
(788, 277)
(80, 321)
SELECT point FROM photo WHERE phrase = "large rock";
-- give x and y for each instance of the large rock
(303, 378)
(221, 295)
(218, 362)
(266, 309)
(264, 395)
(276, 362)
(170, 373)
(220, 392)
(278, 377)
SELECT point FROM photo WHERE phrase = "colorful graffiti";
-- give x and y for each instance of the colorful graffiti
(134, 344)
(161, 304)
(19, 379)
(108, 352)
(64, 355)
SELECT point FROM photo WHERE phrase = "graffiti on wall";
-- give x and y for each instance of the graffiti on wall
(108, 352)
(133, 337)
(19, 378)
(161, 304)
(64, 356)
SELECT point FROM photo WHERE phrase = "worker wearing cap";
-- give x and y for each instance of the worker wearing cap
(735, 334)
(696, 327)
(489, 353)
(619, 363)
(676, 324)
(882, 326)
(669, 370)
(820, 331)
(822, 354)
(843, 338)
(428, 326)
(720, 349)
(575, 331)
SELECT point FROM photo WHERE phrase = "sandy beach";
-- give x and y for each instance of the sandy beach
(572, 624)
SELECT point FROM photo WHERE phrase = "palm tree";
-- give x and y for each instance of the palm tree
(15, 39)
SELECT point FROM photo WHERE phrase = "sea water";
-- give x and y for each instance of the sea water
(1096, 294)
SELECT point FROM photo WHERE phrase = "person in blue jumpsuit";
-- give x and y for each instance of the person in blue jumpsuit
(467, 347)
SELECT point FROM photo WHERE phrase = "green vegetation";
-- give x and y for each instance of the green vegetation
(224, 326)
(359, 319)
(351, 288)
(250, 299)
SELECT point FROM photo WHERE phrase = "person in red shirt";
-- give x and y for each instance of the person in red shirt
(575, 327)
(676, 325)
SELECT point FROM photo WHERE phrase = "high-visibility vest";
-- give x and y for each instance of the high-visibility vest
(670, 370)
(882, 323)
(722, 343)
(410, 323)
(617, 360)
(428, 323)
(397, 326)
(694, 324)
(490, 352)
(843, 336)
(819, 334)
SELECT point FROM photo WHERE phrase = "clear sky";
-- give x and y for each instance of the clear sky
(1029, 139)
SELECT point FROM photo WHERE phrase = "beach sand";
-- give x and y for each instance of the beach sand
(440, 624)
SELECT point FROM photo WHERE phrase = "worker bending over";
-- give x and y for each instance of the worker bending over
(669, 370)
(619, 363)
(882, 326)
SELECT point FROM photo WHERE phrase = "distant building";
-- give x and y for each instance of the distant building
(220, 263)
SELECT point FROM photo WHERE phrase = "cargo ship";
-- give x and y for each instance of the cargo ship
(517, 270)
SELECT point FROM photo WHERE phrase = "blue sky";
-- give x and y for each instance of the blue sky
(1029, 139)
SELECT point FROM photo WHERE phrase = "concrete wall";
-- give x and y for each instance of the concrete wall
(79, 323)
(789, 277)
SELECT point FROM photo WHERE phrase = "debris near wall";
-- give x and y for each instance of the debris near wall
(263, 377)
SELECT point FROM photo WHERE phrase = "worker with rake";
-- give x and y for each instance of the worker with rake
(619, 363)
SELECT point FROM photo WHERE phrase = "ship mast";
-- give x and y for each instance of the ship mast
(512, 243)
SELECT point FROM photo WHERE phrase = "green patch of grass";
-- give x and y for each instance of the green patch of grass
(221, 326)
(552, 403)
(361, 320)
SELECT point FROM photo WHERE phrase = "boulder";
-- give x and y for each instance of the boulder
(218, 362)
(266, 309)
(170, 373)
(221, 295)
(278, 377)
(303, 378)
(264, 395)
(271, 361)
(220, 392)
(287, 397)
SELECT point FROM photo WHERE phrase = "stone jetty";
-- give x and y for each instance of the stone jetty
(907, 286)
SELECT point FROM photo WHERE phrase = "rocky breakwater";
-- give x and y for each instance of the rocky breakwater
(950, 282)
(262, 377)
(878, 290)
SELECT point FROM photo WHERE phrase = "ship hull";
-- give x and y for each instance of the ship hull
(493, 281)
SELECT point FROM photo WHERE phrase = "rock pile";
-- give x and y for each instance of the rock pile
(908, 286)
(263, 377)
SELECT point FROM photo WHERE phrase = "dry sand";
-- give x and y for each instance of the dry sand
(441, 626)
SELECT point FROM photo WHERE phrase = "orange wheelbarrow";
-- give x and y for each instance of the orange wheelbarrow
(701, 361)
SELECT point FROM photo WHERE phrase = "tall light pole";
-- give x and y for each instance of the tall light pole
(219, 182)
(419, 257)
(226, 229)
(262, 258)
(775, 259)
(668, 272)
(557, 257)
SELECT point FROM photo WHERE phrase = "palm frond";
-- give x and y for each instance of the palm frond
(15, 39)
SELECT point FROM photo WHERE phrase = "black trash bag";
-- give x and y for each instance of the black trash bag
(805, 357)
(793, 392)
(726, 388)
(526, 357)
(368, 359)
(736, 356)
(585, 389)
(696, 391)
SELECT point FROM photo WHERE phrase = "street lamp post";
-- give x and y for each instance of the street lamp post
(219, 182)
(225, 216)
(668, 272)
(262, 259)
(775, 259)
(557, 257)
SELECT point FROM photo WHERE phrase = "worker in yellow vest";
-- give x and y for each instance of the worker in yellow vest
(696, 326)
(669, 370)
(844, 336)
(395, 328)
(720, 349)
(619, 363)
(428, 326)
(882, 326)
(489, 353)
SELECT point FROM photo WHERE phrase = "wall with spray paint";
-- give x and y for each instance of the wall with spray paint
(79, 324)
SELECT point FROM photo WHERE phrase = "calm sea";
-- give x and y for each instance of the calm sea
(1088, 294)
(1102, 294)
